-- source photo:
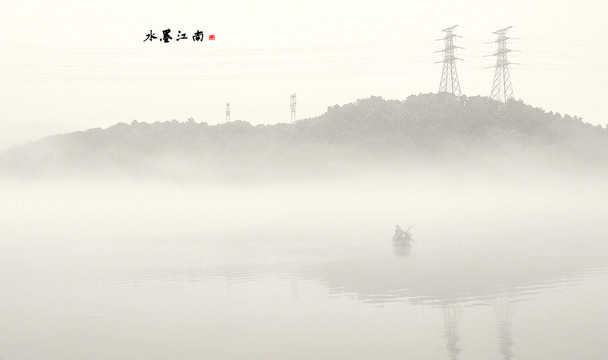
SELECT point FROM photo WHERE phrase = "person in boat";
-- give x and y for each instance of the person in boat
(398, 230)
(400, 235)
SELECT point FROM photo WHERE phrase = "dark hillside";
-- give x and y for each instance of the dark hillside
(427, 128)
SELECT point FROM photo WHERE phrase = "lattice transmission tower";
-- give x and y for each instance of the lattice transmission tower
(292, 105)
(449, 76)
(227, 112)
(502, 88)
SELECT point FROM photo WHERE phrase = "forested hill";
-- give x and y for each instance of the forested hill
(426, 128)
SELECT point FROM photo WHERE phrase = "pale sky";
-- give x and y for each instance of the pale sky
(73, 65)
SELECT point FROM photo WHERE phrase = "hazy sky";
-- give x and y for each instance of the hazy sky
(72, 65)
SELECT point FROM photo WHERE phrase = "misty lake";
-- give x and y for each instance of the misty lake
(500, 269)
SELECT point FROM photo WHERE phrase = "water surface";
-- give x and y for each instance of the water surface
(115, 271)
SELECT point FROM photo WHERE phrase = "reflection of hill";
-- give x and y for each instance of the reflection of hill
(369, 131)
(441, 278)
(374, 273)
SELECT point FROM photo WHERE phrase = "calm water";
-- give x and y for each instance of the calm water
(186, 273)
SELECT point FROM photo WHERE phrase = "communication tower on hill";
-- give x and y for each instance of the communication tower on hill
(292, 105)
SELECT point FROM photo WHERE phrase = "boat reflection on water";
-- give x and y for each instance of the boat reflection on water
(402, 250)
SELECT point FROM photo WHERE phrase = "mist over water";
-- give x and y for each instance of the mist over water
(505, 264)
(158, 201)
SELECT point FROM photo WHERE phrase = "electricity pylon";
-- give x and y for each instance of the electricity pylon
(227, 112)
(292, 105)
(502, 89)
(449, 76)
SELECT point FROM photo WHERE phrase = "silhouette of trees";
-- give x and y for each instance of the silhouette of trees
(425, 127)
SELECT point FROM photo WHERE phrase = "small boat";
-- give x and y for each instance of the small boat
(402, 238)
